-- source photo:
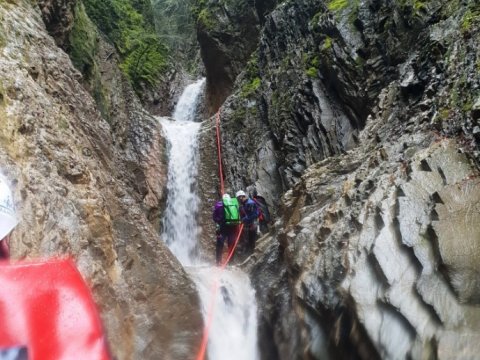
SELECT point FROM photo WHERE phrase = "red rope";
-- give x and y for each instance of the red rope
(211, 310)
(219, 153)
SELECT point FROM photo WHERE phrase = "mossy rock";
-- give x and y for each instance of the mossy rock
(206, 19)
(129, 26)
(83, 42)
(250, 87)
(337, 5)
(470, 19)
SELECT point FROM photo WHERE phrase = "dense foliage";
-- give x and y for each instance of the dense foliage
(129, 25)
(175, 24)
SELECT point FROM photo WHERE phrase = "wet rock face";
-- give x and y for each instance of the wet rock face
(227, 34)
(382, 259)
(318, 70)
(404, 264)
(91, 189)
(58, 16)
(365, 113)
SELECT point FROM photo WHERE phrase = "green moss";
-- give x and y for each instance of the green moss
(252, 76)
(327, 44)
(337, 5)
(206, 19)
(450, 7)
(250, 87)
(470, 19)
(311, 64)
(418, 5)
(316, 18)
(129, 26)
(443, 114)
(312, 72)
(83, 41)
(467, 106)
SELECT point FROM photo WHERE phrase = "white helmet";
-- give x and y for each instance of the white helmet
(8, 218)
(225, 196)
(240, 193)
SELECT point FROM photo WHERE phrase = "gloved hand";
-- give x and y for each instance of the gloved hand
(217, 229)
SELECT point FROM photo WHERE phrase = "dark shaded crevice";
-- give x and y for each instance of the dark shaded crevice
(377, 270)
(428, 308)
(379, 223)
(442, 174)
(432, 237)
(347, 338)
(399, 318)
(406, 249)
(424, 166)
(266, 332)
(440, 266)
(400, 193)
(436, 198)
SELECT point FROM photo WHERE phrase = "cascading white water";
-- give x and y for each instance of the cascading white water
(233, 333)
(180, 226)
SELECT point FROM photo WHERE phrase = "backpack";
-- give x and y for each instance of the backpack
(231, 211)
(262, 208)
(218, 213)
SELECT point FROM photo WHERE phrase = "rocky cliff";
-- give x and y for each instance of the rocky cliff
(91, 188)
(359, 123)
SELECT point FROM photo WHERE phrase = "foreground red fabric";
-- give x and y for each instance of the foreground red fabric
(47, 308)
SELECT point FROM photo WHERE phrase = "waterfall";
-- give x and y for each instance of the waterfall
(180, 225)
(233, 333)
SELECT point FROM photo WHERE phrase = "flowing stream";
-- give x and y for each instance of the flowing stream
(233, 331)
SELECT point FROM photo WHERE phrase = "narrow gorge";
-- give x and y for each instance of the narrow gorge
(358, 121)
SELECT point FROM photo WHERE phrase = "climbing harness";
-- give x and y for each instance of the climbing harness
(216, 285)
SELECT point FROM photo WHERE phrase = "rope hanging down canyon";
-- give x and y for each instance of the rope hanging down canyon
(216, 285)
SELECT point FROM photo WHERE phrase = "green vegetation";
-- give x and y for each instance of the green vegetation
(129, 26)
(312, 65)
(327, 44)
(336, 5)
(443, 114)
(418, 5)
(250, 87)
(252, 76)
(450, 7)
(471, 18)
(83, 42)
(312, 72)
(206, 19)
(83, 48)
(175, 25)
